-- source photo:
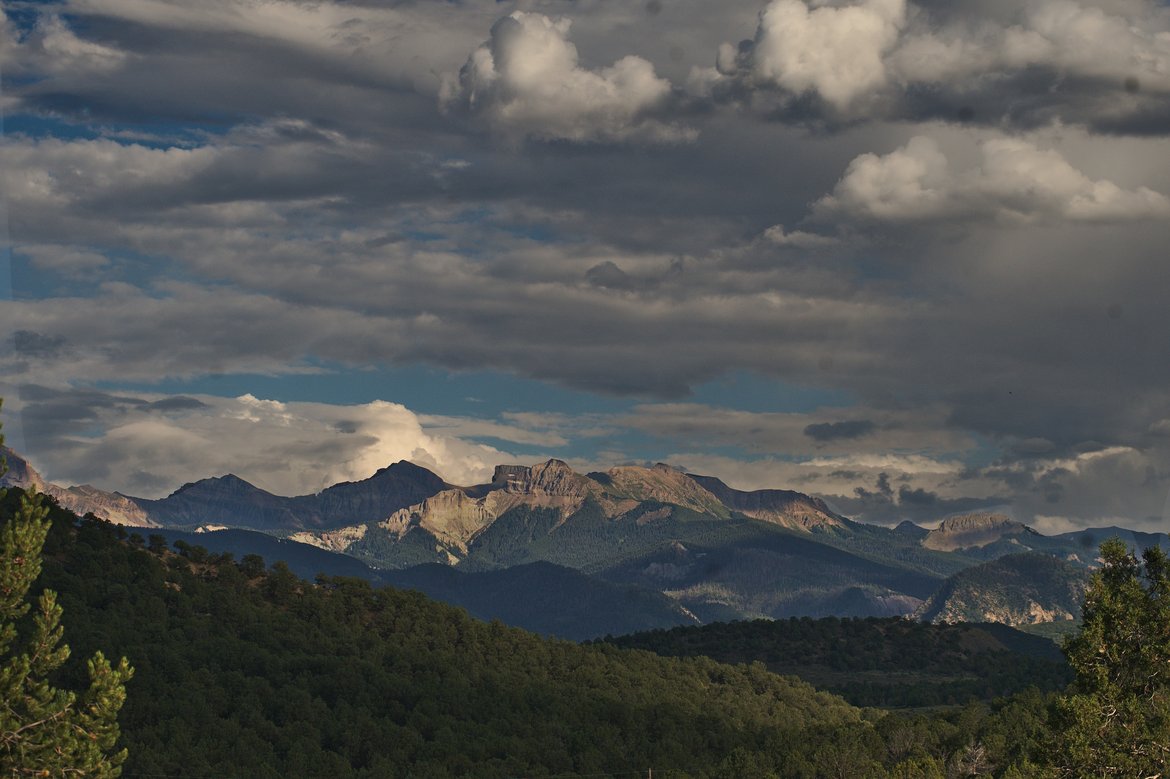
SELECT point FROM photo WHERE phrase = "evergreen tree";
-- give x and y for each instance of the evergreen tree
(44, 730)
(1116, 719)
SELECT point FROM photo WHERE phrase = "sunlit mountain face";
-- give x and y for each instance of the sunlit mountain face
(905, 258)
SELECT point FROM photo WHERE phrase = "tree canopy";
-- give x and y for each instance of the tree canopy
(46, 730)
(1116, 719)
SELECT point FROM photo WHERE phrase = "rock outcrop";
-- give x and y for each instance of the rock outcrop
(973, 530)
(662, 484)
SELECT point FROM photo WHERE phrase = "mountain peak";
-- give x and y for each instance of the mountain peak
(405, 468)
(228, 482)
(908, 528)
(20, 473)
(976, 521)
(663, 484)
(972, 530)
(553, 477)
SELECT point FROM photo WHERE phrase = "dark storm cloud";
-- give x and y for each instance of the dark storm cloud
(832, 431)
(883, 505)
(28, 343)
(608, 274)
(47, 413)
(176, 403)
(319, 207)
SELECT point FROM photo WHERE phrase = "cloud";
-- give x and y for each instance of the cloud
(798, 238)
(834, 52)
(1106, 485)
(1106, 65)
(50, 46)
(69, 261)
(830, 431)
(798, 434)
(1015, 182)
(147, 444)
(525, 81)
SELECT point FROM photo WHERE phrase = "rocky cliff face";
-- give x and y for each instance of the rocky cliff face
(554, 477)
(455, 516)
(81, 500)
(786, 508)
(973, 530)
(452, 517)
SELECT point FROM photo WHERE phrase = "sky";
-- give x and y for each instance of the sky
(909, 257)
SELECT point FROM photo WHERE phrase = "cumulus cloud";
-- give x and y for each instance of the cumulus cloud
(526, 81)
(835, 52)
(148, 445)
(1015, 181)
(1103, 64)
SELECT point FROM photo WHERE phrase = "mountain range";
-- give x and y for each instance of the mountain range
(658, 546)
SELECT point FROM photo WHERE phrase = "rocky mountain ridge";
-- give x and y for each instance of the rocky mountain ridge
(83, 499)
(457, 515)
(973, 530)
(718, 552)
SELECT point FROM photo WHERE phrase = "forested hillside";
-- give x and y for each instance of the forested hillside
(242, 672)
(248, 671)
(890, 662)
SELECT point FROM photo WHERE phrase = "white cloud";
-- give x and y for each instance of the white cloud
(872, 58)
(835, 51)
(910, 183)
(526, 81)
(832, 476)
(51, 47)
(1080, 39)
(71, 261)
(1015, 181)
(288, 448)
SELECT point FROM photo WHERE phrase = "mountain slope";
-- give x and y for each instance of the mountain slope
(540, 597)
(1016, 589)
(271, 676)
(786, 508)
(765, 571)
(797, 558)
(545, 598)
(877, 662)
